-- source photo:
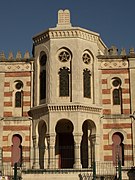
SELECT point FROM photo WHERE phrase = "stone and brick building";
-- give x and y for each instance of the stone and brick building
(69, 105)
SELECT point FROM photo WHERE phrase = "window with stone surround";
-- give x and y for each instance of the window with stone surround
(64, 81)
(87, 83)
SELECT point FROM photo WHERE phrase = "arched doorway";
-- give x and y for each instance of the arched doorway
(41, 142)
(88, 143)
(65, 143)
(118, 148)
(16, 150)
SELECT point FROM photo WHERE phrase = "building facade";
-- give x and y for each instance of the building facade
(69, 105)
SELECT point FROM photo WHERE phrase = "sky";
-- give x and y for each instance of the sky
(20, 20)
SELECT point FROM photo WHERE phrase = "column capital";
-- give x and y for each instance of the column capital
(77, 138)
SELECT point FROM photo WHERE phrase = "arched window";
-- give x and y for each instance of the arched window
(64, 81)
(117, 92)
(116, 96)
(43, 85)
(16, 150)
(43, 60)
(118, 148)
(87, 83)
(18, 93)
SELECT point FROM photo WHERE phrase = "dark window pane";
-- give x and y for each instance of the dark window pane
(43, 85)
(43, 60)
(18, 99)
(64, 82)
(87, 83)
(116, 97)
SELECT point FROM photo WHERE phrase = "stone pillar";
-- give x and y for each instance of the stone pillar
(77, 142)
(35, 153)
(47, 154)
(52, 164)
(93, 142)
(89, 149)
(96, 141)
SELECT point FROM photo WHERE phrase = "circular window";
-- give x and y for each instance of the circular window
(64, 56)
(86, 58)
(19, 85)
(116, 82)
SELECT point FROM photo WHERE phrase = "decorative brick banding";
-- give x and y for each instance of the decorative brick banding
(116, 125)
(18, 74)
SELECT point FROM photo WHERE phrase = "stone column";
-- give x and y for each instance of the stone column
(47, 154)
(77, 142)
(97, 146)
(93, 142)
(89, 149)
(35, 153)
(52, 164)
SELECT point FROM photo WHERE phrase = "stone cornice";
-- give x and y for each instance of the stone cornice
(45, 109)
(74, 32)
(82, 108)
(15, 118)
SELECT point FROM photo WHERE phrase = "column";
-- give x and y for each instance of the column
(96, 139)
(35, 153)
(47, 153)
(52, 164)
(77, 142)
(89, 149)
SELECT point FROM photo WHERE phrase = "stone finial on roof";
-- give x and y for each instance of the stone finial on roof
(2, 55)
(64, 18)
(106, 52)
(113, 51)
(10, 55)
(18, 55)
(131, 51)
(123, 52)
(27, 55)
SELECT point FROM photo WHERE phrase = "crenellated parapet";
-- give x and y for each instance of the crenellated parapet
(17, 57)
(113, 59)
(113, 53)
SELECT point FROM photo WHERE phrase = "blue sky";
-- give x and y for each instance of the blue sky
(20, 20)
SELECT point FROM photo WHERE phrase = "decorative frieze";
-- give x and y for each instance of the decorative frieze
(73, 108)
(111, 64)
(12, 67)
(44, 109)
(66, 33)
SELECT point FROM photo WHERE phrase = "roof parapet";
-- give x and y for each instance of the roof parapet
(11, 57)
